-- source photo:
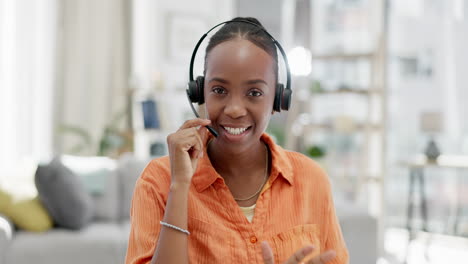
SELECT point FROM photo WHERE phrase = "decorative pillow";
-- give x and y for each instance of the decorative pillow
(64, 195)
(100, 180)
(129, 169)
(27, 214)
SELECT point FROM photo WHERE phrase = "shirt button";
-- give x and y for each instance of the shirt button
(253, 239)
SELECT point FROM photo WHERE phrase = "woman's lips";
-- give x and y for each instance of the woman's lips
(235, 132)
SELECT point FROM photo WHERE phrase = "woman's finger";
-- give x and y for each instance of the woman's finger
(323, 258)
(197, 148)
(300, 255)
(267, 253)
(203, 133)
(195, 122)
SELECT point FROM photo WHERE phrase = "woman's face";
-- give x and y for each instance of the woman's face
(239, 91)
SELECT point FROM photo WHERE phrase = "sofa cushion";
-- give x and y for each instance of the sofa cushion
(97, 243)
(26, 213)
(129, 169)
(64, 195)
(100, 180)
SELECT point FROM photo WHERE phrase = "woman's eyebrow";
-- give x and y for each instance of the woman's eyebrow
(256, 81)
(217, 79)
(250, 82)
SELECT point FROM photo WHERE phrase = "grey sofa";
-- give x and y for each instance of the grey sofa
(102, 241)
(105, 239)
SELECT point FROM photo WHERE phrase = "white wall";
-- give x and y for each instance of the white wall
(153, 31)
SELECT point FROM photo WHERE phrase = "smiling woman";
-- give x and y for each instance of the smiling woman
(237, 197)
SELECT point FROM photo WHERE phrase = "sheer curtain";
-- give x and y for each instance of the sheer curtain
(27, 39)
(93, 43)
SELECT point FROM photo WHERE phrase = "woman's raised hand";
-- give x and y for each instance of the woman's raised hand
(185, 148)
(299, 256)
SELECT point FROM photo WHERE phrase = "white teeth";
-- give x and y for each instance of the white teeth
(235, 131)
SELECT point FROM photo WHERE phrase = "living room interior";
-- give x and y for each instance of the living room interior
(89, 91)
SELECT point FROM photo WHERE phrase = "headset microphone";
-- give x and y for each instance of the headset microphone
(212, 130)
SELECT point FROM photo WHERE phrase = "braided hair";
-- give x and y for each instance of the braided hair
(242, 30)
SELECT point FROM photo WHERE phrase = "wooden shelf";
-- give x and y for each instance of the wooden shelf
(343, 56)
(149, 131)
(373, 179)
(366, 179)
(443, 161)
(358, 127)
(349, 91)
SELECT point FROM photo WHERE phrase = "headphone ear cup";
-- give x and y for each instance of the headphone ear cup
(278, 95)
(195, 90)
(286, 100)
(200, 87)
(192, 91)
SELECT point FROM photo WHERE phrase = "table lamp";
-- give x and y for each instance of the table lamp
(431, 123)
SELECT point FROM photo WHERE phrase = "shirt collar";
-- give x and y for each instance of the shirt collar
(206, 175)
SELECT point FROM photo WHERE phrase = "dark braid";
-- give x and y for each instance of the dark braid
(242, 30)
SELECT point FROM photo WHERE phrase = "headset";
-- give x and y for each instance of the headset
(195, 86)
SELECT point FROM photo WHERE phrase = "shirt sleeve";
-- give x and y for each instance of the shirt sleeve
(146, 212)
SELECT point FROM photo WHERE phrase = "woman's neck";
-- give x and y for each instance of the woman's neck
(238, 163)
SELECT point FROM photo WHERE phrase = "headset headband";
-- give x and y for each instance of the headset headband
(288, 74)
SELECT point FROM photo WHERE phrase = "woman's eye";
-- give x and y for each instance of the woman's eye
(255, 93)
(218, 90)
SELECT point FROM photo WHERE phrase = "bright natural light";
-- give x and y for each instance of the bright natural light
(7, 81)
(459, 9)
(300, 61)
(26, 77)
(413, 8)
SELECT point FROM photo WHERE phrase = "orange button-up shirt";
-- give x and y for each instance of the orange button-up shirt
(294, 209)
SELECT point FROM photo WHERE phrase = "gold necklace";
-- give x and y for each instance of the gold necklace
(264, 181)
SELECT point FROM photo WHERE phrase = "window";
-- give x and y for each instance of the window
(27, 40)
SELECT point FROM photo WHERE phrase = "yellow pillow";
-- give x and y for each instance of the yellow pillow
(27, 214)
(5, 201)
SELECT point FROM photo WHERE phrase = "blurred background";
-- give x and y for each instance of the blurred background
(379, 91)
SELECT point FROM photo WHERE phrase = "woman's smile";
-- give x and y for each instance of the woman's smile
(235, 133)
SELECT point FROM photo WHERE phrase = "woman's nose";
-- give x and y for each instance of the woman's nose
(235, 107)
